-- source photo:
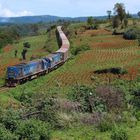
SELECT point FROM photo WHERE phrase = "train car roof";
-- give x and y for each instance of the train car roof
(25, 63)
(63, 50)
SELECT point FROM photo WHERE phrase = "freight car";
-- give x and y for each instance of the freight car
(26, 71)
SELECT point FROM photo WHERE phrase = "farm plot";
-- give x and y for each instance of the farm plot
(107, 51)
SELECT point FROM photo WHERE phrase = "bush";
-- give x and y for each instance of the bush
(119, 134)
(129, 119)
(106, 123)
(137, 115)
(33, 130)
(112, 70)
(105, 126)
(88, 99)
(112, 97)
(10, 119)
(96, 26)
(132, 34)
(77, 50)
(6, 135)
(65, 120)
(136, 98)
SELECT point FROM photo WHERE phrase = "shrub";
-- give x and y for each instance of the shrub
(132, 34)
(112, 70)
(106, 123)
(26, 45)
(112, 97)
(10, 119)
(115, 32)
(88, 99)
(65, 120)
(137, 114)
(33, 129)
(136, 98)
(129, 119)
(6, 135)
(96, 26)
(77, 50)
(119, 134)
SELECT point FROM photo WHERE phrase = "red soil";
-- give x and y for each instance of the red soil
(8, 48)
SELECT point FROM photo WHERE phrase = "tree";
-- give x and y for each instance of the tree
(90, 22)
(125, 22)
(139, 14)
(119, 10)
(109, 14)
(35, 28)
(128, 15)
(24, 54)
(16, 53)
(115, 22)
(26, 45)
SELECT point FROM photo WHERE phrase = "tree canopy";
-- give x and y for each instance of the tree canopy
(119, 10)
(90, 21)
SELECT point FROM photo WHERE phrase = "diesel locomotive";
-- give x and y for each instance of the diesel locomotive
(23, 72)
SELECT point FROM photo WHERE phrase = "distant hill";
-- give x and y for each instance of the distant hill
(45, 18)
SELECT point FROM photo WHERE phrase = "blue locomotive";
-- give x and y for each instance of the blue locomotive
(27, 71)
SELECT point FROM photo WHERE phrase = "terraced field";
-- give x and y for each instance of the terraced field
(106, 51)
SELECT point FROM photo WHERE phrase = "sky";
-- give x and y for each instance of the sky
(63, 8)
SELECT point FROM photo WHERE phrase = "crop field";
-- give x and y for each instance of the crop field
(106, 51)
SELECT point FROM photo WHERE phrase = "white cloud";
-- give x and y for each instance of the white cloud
(4, 12)
(24, 13)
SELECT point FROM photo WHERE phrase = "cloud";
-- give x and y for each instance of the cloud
(5, 12)
(66, 8)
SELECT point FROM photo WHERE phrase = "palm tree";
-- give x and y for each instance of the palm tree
(109, 14)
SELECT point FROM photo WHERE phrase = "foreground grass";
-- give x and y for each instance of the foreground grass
(83, 132)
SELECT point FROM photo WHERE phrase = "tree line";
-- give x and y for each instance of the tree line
(118, 16)
(12, 33)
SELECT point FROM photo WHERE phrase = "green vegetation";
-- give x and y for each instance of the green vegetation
(119, 134)
(132, 34)
(94, 95)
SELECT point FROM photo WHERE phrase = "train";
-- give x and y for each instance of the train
(24, 72)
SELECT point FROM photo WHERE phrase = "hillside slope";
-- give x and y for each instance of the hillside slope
(84, 99)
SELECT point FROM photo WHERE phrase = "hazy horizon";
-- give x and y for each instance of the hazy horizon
(62, 8)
